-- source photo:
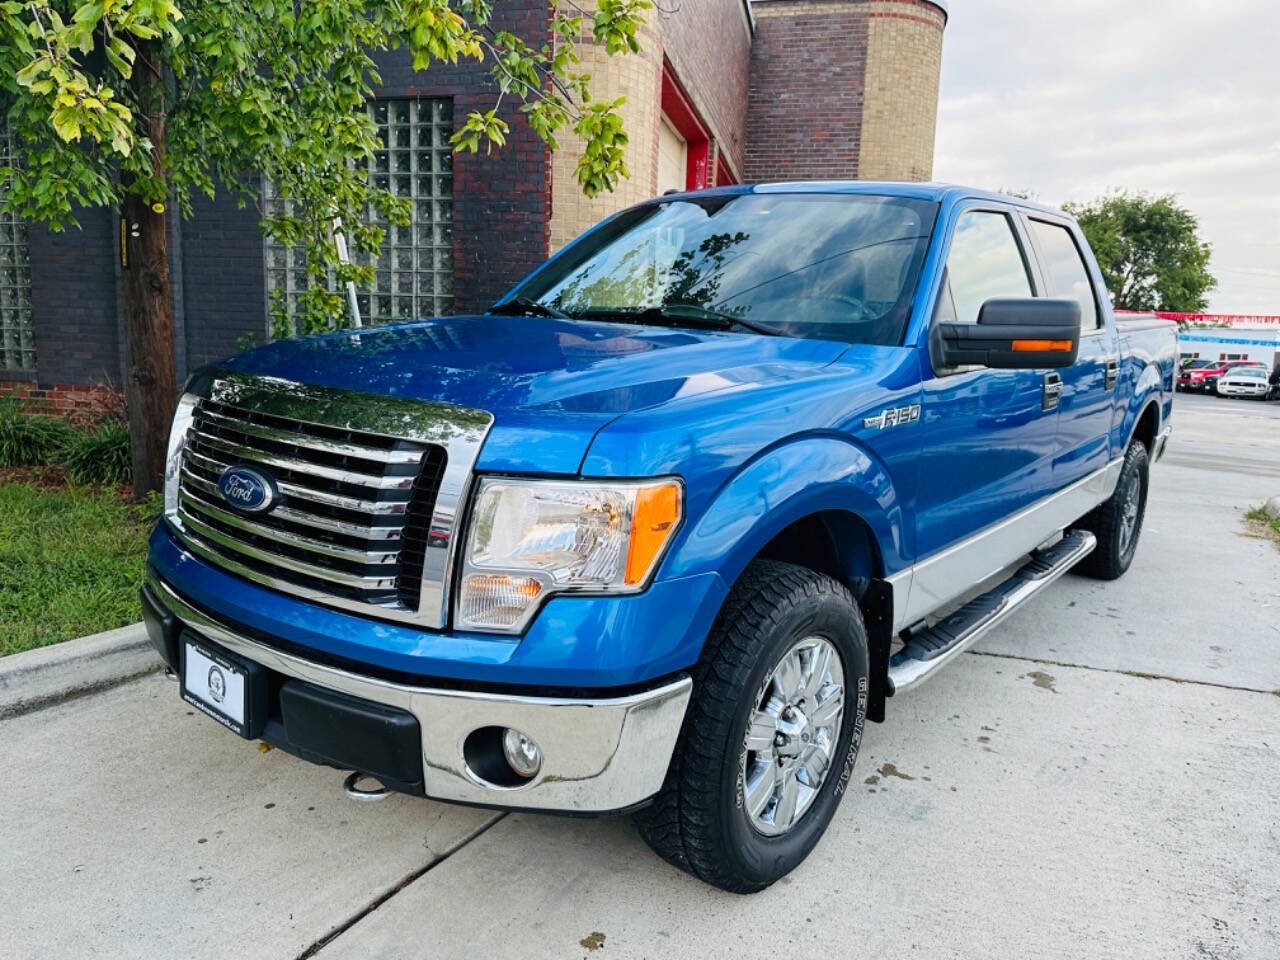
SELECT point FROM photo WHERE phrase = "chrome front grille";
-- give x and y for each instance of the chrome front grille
(365, 518)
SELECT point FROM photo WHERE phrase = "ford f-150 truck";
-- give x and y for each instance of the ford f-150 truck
(661, 530)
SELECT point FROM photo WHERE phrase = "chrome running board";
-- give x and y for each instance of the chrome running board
(931, 649)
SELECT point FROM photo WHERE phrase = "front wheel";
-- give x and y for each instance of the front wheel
(772, 731)
(1117, 523)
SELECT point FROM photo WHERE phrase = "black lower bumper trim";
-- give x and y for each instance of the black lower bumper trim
(162, 628)
(342, 731)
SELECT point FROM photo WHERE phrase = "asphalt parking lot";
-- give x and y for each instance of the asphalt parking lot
(1099, 778)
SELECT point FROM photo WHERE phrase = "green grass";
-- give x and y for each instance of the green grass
(1259, 515)
(71, 562)
(1264, 524)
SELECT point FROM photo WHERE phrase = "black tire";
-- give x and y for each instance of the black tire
(697, 821)
(1114, 552)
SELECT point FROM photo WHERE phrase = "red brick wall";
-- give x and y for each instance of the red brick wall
(80, 404)
(804, 114)
(709, 45)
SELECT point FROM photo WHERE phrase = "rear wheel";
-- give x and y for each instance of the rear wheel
(1117, 523)
(771, 734)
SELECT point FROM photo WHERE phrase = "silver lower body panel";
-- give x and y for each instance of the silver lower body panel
(599, 755)
(941, 578)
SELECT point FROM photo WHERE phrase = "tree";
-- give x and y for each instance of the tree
(135, 104)
(1149, 250)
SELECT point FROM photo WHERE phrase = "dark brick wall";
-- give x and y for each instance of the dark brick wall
(501, 231)
(223, 278)
(501, 200)
(709, 45)
(73, 301)
(808, 71)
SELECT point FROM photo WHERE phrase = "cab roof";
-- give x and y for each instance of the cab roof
(942, 193)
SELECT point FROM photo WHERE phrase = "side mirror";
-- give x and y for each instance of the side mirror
(1023, 333)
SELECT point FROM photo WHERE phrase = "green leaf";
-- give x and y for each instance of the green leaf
(27, 75)
(66, 125)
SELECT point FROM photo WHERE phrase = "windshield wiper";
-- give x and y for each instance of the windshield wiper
(691, 314)
(527, 307)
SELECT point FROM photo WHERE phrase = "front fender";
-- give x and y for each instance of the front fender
(784, 484)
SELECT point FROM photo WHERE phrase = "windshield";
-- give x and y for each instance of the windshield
(1247, 372)
(822, 266)
(1199, 364)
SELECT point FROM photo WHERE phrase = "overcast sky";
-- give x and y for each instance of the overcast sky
(1067, 99)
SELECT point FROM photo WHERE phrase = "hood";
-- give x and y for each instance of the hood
(550, 384)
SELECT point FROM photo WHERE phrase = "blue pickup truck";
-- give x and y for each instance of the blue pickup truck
(660, 531)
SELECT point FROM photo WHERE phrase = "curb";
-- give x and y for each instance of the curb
(48, 675)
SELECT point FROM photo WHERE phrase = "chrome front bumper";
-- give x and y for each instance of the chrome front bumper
(598, 755)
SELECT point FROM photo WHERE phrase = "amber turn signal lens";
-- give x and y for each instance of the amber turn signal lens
(656, 515)
(1042, 346)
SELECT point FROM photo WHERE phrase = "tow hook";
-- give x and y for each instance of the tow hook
(352, 789)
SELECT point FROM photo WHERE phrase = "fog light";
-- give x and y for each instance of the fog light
(522, 754)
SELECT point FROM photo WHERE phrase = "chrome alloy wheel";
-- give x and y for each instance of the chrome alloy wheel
(1129, 512)
(791, 736)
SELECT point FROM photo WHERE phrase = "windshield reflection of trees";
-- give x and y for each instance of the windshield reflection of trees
(833, 268)
(637, 281)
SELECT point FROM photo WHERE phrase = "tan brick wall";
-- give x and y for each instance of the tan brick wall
(638, 77)
(900, 106)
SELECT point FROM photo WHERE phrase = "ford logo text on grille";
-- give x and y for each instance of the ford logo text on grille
(246, 489)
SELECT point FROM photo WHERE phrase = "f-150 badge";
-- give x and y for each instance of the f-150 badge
(893, 417)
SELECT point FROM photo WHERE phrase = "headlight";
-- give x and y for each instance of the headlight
(533, 538)
(177, 442)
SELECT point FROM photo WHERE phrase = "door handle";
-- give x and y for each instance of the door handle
(1052, 391)
(1113, 373)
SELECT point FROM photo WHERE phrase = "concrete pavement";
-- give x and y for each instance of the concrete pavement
(1046, 796)
(1202, 599)
(134, 827)
(1087, 812)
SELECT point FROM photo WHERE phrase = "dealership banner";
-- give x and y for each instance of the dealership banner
(1216, 319)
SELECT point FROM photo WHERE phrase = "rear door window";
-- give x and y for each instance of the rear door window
(1067, 276)
(985, 261)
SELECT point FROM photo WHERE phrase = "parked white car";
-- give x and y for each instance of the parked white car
(1244, 382)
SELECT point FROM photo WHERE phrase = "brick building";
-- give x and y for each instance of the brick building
(724, 91)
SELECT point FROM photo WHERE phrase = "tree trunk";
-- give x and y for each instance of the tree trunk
(150, 384)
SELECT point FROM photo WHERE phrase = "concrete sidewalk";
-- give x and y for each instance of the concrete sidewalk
(134, 827)
(1043, 797)
(1008, 811)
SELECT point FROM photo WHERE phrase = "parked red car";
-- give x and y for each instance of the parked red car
(1191, 376)
(1204, 379)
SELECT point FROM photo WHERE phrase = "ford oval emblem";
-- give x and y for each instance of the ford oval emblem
(246, 489)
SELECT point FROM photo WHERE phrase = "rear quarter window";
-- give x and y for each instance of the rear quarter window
(1067, 276)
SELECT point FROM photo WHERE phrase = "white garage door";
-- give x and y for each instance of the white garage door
(673, 154)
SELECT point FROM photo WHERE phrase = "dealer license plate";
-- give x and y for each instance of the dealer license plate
(214, 685)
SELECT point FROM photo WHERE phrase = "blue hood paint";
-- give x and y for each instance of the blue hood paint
(550, 384)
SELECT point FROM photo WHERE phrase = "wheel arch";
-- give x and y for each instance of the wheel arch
(823, 485)
(1146, 426)
(836, 542)
(842, 545)
(820, 502)
(1143, 412)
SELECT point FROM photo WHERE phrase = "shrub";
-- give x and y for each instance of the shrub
(100, 455)
(28, 439)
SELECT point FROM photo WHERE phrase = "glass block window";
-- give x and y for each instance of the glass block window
(17, 340)
(415, 268)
